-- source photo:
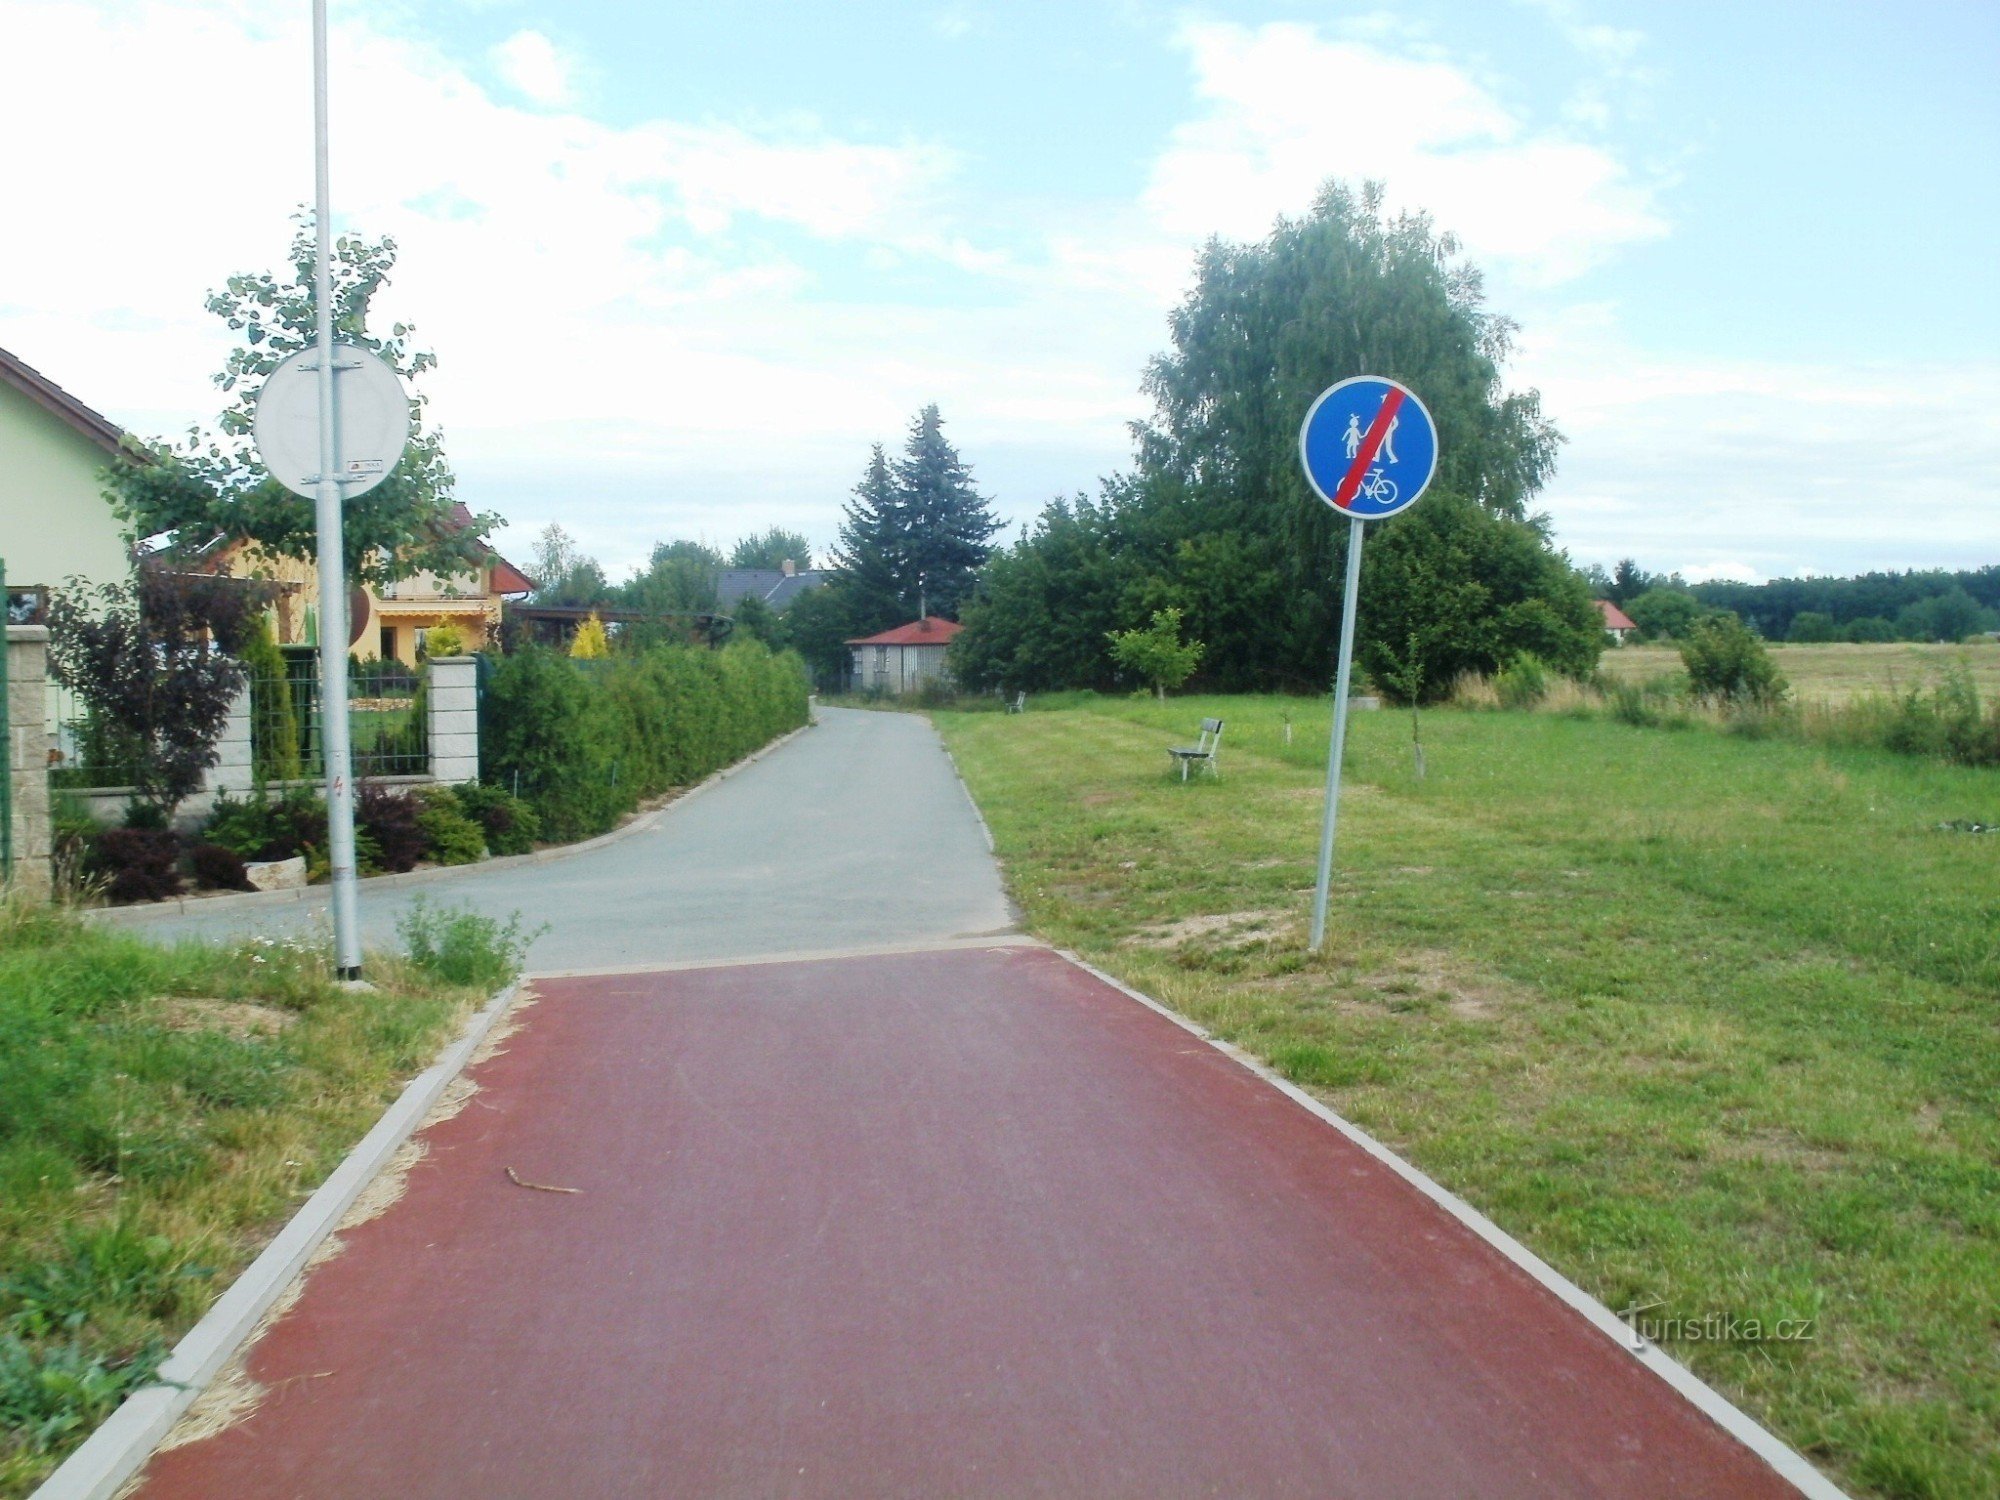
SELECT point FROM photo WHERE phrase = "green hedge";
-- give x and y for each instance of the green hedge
(584, 742)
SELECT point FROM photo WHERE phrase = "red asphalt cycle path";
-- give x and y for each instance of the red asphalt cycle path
(952, 1223)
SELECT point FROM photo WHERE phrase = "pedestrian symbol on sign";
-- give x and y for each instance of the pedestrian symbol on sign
(1351, 439)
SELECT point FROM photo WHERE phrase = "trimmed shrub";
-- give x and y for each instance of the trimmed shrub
(584, 745)
(390, 819)
(267, 828)
(510, 825)
(274, 723)
(452, 837)
(137, 864)
(298, 821)
(218, 869)
(245, 829)
(591, 643)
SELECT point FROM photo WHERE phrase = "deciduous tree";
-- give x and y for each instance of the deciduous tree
(772, 549)
(1665, 612)
(562, 574)
(1157, 655)
(1216, 517)
(156, 660)
(213, 483)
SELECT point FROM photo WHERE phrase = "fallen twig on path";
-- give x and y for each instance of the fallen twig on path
(540, 1187)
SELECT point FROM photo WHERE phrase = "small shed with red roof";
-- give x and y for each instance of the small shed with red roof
(904, 659)
(1617, 624)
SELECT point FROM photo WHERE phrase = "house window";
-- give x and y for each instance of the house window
(388, 643)
(27, 604)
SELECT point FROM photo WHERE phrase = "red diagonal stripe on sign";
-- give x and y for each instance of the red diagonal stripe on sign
(1371, 444)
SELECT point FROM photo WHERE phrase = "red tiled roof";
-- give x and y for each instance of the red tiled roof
(1614, 617)
(507, 579)
(927, 632)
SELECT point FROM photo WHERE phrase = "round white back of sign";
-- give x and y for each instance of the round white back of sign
(371, 417)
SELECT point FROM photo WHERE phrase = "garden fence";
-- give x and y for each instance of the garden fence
(387, 725)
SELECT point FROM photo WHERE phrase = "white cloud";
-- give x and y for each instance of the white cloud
(606, 302)
(954, 22)
(1284, 108)
(533, 66)
(1712, 465)
(644, 330)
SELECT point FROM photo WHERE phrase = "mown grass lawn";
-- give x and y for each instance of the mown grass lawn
(1710, 1023)
(162, 1112)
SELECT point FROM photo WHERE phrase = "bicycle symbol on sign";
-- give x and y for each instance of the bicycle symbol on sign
(1377, 487)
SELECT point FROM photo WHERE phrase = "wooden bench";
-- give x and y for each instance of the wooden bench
(1205, 749)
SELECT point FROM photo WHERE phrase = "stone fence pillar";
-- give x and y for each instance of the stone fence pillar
(235, 770)
(27, 711)
(454, 718)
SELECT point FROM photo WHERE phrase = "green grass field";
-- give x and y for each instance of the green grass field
(1708, 1022)
(162, 1112)
(1836, 673)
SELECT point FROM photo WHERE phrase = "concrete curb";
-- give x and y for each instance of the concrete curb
(137, 916)
(966, 787)
(126, 1440)
(1789, 1464)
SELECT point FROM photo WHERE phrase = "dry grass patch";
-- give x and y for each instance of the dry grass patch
(233, 1018)
(1230, 929)
(1431, 974)
(1777, 1146)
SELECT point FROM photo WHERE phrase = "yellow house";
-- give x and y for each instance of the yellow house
(393, 620)
(54, 520)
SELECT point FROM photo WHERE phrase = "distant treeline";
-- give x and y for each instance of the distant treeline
(1899, 601)
(1932, 605)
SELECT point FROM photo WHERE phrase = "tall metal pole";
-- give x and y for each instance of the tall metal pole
(1340, 686)
(332, 571)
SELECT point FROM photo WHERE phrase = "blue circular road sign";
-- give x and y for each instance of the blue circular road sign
(1369, 447)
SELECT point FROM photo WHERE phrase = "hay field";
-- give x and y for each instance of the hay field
(1838, 672)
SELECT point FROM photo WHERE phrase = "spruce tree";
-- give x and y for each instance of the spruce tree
(947, 524)
(870, 555)
(916, 531)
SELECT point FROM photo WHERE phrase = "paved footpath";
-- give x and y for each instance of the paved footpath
(856, 834)
(966, 1221)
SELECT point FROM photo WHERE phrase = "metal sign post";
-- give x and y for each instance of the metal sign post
(1370, 449)
(332, 419)
(334, 740)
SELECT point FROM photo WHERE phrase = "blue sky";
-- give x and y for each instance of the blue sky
(683, 264)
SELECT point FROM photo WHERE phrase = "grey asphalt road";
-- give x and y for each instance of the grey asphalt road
(856, 834)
